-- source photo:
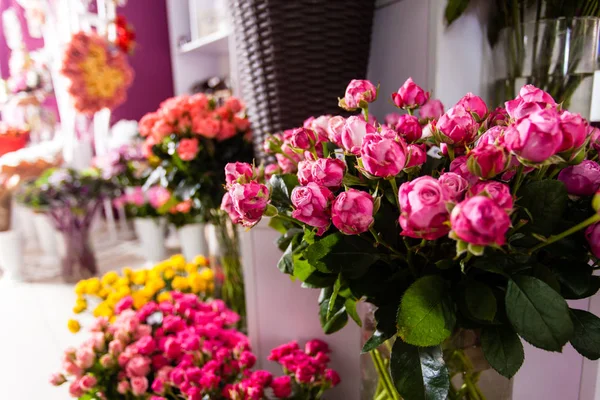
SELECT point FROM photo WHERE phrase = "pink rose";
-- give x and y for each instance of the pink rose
(359, 93)
(312, 205)
(145, 345)
(57, 379)
(282, 386)
(250, 201)
(423, 211)
(136, 196)
(409, 128)
(158, 386)
(115, 347)
(319, 125)
(107, 361)
(87, 382)
(303, 138)
(332, 377)
(354, 132)
(592, 234)
(138, 366)
(498, 117)
(487, 161)
(382, 157)
(457, 126)
(85, 357)
(247, 359)
(207, 127)
(416, 155)
(147, 123)
(594, 134)
(139, 385)
(161, 130)
(532, 94)
(433, 109)
(314, 346)
(238, 172)
(305, 172)
(123, 304)
(574, 130)
(158, 196)
(335, 127)
(391, 119)
(288, 160)
(123, 387)
(241, 124)
(228, 130)
(272, 169)
(582, 179)
(493, 135)
(455, 184)
(410, 95)
(328, 172)
(536, 137)
(497, 191)
(474, 105)
(352, 212)
(480, 221)
(530, 99)
(187, 149)
(459, 166)
(75, 389)
(518, 108)
(234, 104)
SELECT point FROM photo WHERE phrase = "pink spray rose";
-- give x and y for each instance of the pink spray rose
(459, 166)
(498, 117)
(158, 196)
(87, 382)
(391, 119)
(497, 191)
(574, 130)
(354, 133)
(187, 149)
(536, 137)
(455, 184)
(332, 377)
(532, 94)
(75, 389)
(352, 212)
(250, 201)
(487, 160)
(123, 387)
(314, 346)
(272, 169)
(494, 135)
(416, 155)
(529, 100)
(433, 109)
(423, 211)
(328, 172)
(410, 95)
(238, 172)
(305, 172)
(335, 127)
(457, 126)
(409, 128)
(282, 386)
(581, 179)
(592, 234)
(85, 357)
(57, 379)
(312, 205)
(139, 385)
(474, 105)
(138, 366)
(289, 160)
(382, 157)
(303, 138)
(227, 206)
(594, 134)
(359, 93)
(480, 221)
(319, 125)
(123, 304)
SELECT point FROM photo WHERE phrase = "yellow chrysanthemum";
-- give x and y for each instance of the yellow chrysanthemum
(169, 273)
(93, 285)
(103, 310)
(81, 288)
(178, 262)
(163, 296)
(73, 325)
(140, 277)
(124, 291)
(156, 284)
(109, 278)
(191, 268)
(207, 274)
(80, 306)
(180, 283)
(127, 272)
(200, 261)
(103, 293)
(139, 299)
(197, 283)
(122, 282)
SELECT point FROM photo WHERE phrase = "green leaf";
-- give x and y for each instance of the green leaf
(288, 236)
(319, 251)
(546, 201)
(334, 295)
(419, 373)
(302, 268)
(278, 224)
(502, 349)
(425, 317)
(480, 300)
(318, 280)
(455, 9)
(281, 190)
(546, 275)
(538, 313)
(592, 289)
(377, 339)
(575, 276)
(351, 180)
(338, 318)
(586, 339)
(350, 305)
(286, 263)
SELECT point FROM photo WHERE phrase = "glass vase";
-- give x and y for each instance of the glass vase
(77, 255)
(556, 55)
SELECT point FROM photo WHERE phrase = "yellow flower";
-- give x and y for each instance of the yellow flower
(139, 277)
(200, 261)
(153, 160)
(190, 268)
(207, 274)
(169, 273)
(122, 282)
(178, 262)
(180, 283)
(197, 283)
(163, 296)
(103, 293)
(80, 288)
(73, 326)
(113, 298)
(124, 291)
(93, 285)
(139, 300)
(103, 310)
(109, 278)
(79, 307)
(156, 284)
(127, 272)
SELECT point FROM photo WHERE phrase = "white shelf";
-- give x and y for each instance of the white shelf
(215, 43)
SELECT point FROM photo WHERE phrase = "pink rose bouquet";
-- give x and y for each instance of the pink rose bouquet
(479, 220)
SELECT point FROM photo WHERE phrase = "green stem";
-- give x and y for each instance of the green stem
(382, 242)
(384, 376)
(289, 219)
(392, 181)
(365, 112)
(450, 152)
(409, 260)
(555, 238)
(518, 179)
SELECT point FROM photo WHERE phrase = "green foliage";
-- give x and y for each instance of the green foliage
(502, 349)
(586, 337)
(454, 10)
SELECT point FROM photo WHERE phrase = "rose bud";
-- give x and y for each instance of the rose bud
(433, 109)
(305, 172)
(457, 126)
(391, 119)
(488, 160)
(582, 179)
(250, 201)
(410, 95)
(423, 212)
(354, 132)
(272, 169)
(479, 221)
(594, 134)
(574, 130)
(319, 126)
(474, 105)
(592, 234)
(494, 135)
(282, 386)
(272, 143)
(57, 379)
(238, 172)
(187, 149)
(530, 99)
(382, 157)
(498, 117)
(358, 94)
(352, 212)
(303, 138)
(312, 205)
(536, 137)
(459, 166)
(409, 128)
(328, 172)
(227, 206)
(288, 160)
(497, 191)
(455, 184)
(532, 94)
(416, 155)
(335, 127)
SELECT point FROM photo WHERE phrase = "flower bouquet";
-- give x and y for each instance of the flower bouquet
(182, 348)
(191, 139)
(483, 223)
(71, 199)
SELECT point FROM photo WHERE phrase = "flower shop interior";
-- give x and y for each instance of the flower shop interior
(308, 199)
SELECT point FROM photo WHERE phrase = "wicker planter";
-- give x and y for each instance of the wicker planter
(295, 58)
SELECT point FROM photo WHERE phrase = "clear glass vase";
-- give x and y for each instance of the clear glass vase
(77, 255)
(557, 55)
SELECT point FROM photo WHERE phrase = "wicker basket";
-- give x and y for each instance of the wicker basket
(295, 57)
